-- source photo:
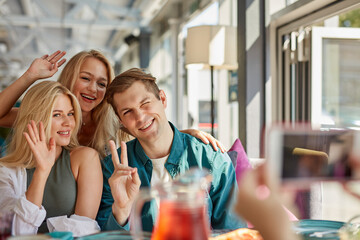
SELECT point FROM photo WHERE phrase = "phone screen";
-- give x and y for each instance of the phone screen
(317, 154)
(311, 154)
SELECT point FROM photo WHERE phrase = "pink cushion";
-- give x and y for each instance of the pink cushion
(241, 163)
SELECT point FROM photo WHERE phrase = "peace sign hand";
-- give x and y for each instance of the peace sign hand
(46, 66)
(44, 153)
(124, 184)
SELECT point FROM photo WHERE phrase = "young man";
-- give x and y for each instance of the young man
(158, 153)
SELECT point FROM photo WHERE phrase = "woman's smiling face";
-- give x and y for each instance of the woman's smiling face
(63, 120)
(90, 87)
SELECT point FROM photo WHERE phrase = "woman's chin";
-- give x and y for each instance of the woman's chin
(86, 109)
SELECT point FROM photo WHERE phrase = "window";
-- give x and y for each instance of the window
(335, 76)
(316, 79)
(318, 71)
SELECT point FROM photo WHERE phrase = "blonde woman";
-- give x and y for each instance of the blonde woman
(46, 179)
(87, 75)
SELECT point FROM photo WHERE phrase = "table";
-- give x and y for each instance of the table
(110, 235)
(124, 235)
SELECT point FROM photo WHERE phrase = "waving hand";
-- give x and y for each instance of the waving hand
(46, 66)
(40, 68)
(44, 153)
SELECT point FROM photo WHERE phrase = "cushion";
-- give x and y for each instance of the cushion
(233, 157)
(239, 158)
(241, 163)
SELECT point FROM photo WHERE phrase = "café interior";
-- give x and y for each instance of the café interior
(274, 74)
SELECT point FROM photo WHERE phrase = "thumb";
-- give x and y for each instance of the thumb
(136, 178)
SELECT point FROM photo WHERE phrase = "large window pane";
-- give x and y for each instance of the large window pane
(341, 82)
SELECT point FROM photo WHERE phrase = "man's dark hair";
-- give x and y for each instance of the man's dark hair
(124, 80)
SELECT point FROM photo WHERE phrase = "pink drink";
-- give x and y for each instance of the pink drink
(177, 222)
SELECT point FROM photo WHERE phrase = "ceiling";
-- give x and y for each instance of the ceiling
(32, 28)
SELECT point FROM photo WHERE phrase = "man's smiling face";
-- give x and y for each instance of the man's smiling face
(140, 112)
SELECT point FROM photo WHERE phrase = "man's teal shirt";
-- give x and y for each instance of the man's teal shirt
(186, 152)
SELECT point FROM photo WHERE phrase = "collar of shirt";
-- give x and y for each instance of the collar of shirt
(177, 149)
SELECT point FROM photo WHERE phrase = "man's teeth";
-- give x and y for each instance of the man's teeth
(88, 97)
(146, 126)
(66, 132)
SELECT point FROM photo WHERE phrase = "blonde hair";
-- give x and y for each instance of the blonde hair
(107, 124)
(37, 105)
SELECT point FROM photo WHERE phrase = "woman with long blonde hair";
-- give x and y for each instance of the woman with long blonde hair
(87, 74)
(47, 180)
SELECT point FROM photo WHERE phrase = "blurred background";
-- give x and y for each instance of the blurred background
(296, 61)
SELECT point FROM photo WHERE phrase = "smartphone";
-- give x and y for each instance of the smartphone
(303, 155)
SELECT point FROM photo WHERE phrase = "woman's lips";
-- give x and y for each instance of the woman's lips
(87, 98)
(64, 133)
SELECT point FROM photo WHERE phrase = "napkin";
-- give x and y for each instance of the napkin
(78, 225)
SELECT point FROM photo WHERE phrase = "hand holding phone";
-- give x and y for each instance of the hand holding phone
(304, 155)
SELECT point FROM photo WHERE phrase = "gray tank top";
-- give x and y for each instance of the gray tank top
(60, 189)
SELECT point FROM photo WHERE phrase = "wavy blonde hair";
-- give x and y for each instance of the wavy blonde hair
(37, 104)
(107, 124)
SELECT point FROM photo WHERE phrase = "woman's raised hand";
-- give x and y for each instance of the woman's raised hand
(44, 153)
(46, 66)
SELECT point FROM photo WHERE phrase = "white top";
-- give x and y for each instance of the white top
(28, 216)
(159, 173)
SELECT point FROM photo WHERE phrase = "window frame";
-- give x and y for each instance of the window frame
(301, 14)
(317, 36)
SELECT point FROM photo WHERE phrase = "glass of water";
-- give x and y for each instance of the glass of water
(351, 230)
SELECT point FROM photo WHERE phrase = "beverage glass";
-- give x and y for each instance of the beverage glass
(6, 219)
(181, 221)
(182, 213)
(351, 230)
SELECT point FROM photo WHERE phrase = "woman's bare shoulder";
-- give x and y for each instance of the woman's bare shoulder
(85, 158)
(83, 153)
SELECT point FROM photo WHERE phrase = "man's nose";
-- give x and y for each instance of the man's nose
(139, 115)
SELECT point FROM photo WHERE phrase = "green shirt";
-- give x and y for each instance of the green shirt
(186, 151)
(60, 189)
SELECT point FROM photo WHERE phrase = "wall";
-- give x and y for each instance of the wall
(227, 111)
